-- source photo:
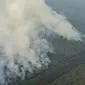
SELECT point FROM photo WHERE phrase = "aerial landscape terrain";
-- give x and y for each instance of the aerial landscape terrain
(42, 42)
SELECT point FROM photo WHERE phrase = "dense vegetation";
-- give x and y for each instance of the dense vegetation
(75, 77)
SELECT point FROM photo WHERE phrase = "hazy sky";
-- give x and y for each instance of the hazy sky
(74, 10)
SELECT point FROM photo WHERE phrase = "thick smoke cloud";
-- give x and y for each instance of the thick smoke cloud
(20, 44)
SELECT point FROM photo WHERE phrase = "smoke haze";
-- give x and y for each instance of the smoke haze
(20, 23)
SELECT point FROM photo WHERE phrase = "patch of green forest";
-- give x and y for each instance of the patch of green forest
(75, 77)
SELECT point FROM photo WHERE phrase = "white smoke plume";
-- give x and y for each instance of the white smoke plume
(19, 41)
